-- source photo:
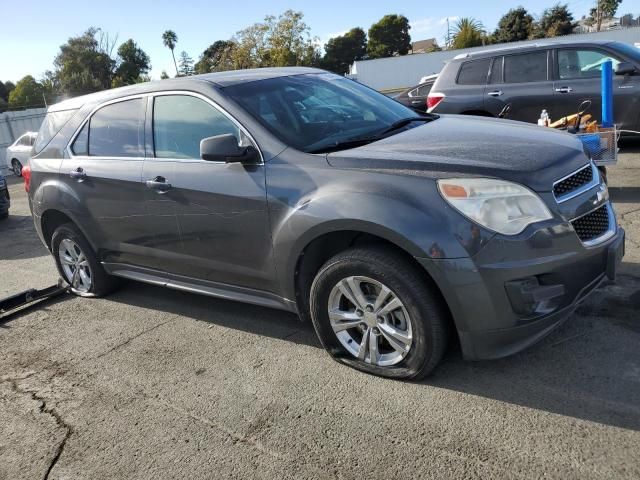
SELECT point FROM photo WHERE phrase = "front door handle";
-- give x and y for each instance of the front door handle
(496, 93)
(417, 102)
(564, 90)
(78, 174)
(159, 184)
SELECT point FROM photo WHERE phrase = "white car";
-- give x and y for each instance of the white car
(19, 152)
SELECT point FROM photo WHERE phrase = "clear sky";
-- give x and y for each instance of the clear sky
(32, 31)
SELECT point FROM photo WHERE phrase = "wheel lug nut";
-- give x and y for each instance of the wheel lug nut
(364, 326)
(380, 319)
(359, 313)
(369, 308)
(375, 331)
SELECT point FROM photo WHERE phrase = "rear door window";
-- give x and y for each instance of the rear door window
(579, 63)
(496, 70)
(474, 73)
(117, 130)
(527, 67)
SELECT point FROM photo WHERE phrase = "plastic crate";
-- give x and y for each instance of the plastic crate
(602, 145)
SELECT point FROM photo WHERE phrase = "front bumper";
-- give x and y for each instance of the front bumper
(514, 292)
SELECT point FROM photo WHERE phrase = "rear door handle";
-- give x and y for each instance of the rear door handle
(78, 174)
(495, 93)
(564, 90)
(417, 102)
(159, 184)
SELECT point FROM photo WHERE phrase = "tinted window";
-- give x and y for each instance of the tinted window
(181, 121)
(117, 130)
(496, 70)
(528, 67)
(474, 73)
(317, 111)
(582, 63)
(25, 141)
(52, 124)
(424, 90)
(81, 144)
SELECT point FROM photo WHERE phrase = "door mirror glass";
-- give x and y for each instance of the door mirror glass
(625, 68)
(225, 148)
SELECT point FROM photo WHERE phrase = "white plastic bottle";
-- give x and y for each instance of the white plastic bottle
(543, 121)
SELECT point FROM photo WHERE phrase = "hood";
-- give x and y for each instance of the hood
(472, 146)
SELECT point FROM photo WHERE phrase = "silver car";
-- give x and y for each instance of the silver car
(18, 152)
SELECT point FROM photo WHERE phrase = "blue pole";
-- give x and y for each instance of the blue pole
(607, 94)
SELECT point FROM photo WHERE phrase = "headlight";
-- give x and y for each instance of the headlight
(501, 206)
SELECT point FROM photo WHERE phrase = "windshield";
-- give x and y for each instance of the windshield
(315, 111)
(628, 50)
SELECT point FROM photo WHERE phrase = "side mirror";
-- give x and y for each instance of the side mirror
(625, 68)
(225, 148)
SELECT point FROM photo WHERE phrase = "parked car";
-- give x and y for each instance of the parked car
(298, 189)
(5, 199)
(18, 152)
(416, 96)
(555, 77)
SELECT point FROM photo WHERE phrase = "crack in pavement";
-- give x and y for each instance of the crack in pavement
(130, 339)
(45, 409)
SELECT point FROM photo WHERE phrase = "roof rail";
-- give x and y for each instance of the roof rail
(500, 49)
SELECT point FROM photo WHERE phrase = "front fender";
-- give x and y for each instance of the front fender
(420, 231)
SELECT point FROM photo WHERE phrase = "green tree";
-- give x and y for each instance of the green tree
(554, 22)
(84, 64)
(9, 85)
(3, 105)
(170, 39)
(216, 57)
(28, 93)
(602, 10)
(4, 95)
(468, 32)
(186, 65)
(343, 50)
(389, 37)
(164, 75)
(277, 42)
(514, 26)
(133, 64)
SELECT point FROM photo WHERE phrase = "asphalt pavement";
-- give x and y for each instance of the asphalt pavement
(155, 383)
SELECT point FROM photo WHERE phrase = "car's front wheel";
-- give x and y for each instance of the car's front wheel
(77, 263)
(375, 311)
(17, 167)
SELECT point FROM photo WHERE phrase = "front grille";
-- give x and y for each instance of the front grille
(593, 224)
(580, 178)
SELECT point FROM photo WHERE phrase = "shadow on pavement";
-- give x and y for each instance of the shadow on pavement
(589, 368)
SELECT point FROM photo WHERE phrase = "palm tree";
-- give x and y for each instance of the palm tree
(169, 38)
(468, 32)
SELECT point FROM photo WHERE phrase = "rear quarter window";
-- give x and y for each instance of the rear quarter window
(51, 125)
(474, 72)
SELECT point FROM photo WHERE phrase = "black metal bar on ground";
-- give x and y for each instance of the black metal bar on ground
(14, 303)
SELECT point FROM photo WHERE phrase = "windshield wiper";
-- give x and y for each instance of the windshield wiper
(351, 143)
(403, 123)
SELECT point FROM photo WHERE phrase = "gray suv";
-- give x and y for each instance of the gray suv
(555, 77)
(301, 190)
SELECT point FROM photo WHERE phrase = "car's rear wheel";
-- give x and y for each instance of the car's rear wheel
(374, 311)
(17, 167)
(77, 263)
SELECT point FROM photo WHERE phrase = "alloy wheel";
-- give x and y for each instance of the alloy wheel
(75, 265)
(370, 321)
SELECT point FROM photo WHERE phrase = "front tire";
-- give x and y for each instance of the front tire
(17, 167)
(78, 264)
(375, 311)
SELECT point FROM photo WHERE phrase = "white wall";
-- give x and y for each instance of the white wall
(14, 124)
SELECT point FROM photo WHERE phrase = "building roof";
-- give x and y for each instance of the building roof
(422, 46)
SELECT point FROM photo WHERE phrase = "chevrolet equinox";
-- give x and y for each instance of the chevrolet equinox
(297, 189)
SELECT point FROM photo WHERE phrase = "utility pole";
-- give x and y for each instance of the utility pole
(598, 18)
(448, 35)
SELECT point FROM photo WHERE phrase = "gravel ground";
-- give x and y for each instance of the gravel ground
(155, 383)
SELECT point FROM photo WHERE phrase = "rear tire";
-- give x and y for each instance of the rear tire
(17, 167)
(78, 264)
(409, 338)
